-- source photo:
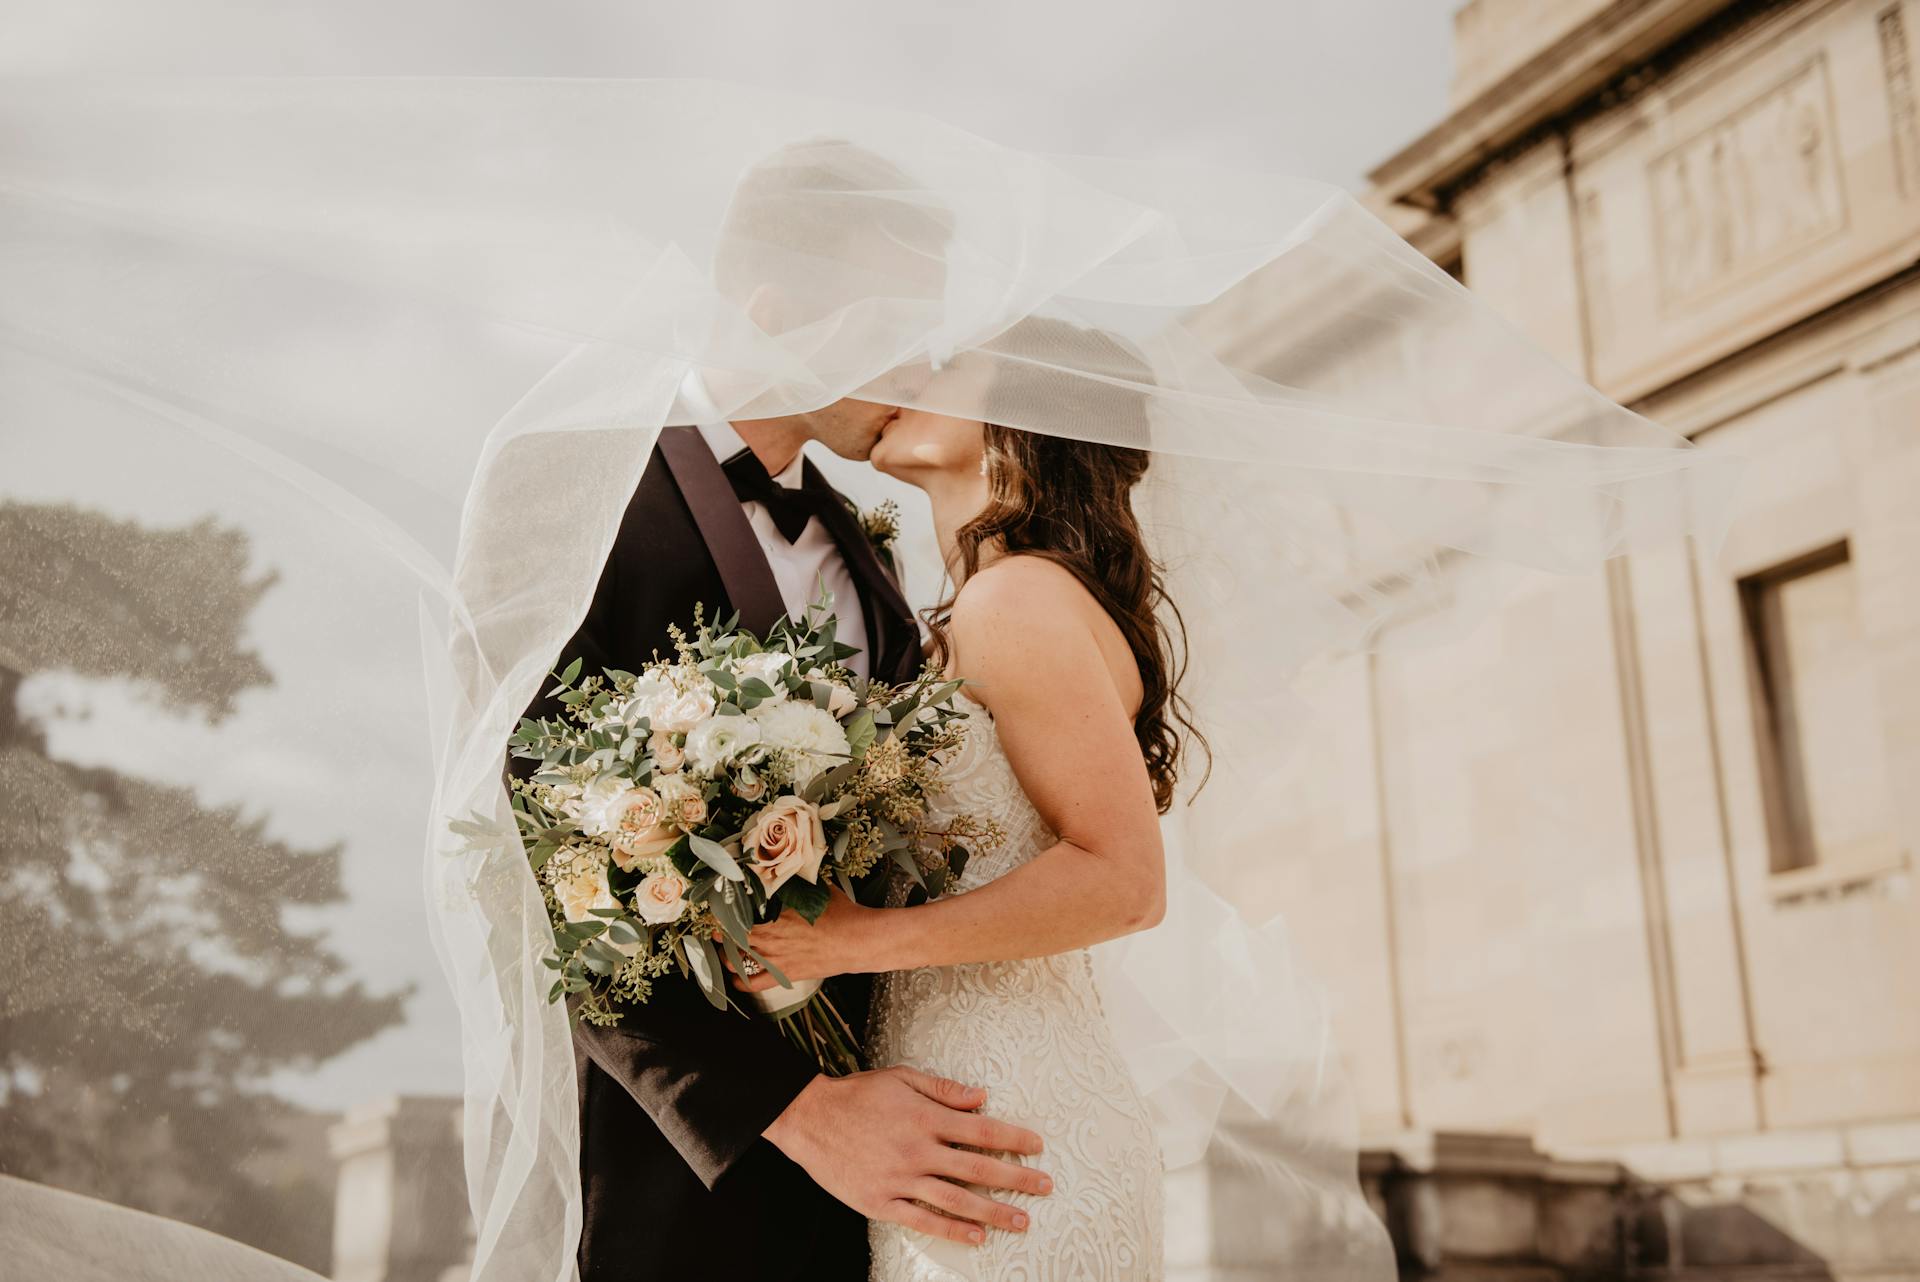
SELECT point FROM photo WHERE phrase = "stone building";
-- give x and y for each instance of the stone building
(1616, 892)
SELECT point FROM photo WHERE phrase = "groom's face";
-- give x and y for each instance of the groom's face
(850, 428)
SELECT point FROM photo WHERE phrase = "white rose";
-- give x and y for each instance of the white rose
(841, 703)
(584, 889)
(785, 840)
(684, 711)
(770, 668)
(683, 802)
(718, 740)
(661, 898)
(810, 733)
(667, 755)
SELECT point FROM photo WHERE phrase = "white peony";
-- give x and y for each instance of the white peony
(817, 740)
(649, 695)
(718, 740)
(680, 714)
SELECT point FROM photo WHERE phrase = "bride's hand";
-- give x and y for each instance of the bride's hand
(836, 944)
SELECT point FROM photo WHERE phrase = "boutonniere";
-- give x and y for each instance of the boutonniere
(881, 525)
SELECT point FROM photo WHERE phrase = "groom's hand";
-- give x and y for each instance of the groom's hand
(884, 1142)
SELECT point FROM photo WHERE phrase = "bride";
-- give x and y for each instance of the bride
(1075, 741)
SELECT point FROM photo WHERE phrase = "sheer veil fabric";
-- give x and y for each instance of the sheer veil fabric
(453, 315)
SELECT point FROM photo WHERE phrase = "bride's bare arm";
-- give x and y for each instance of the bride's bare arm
(1026, 635)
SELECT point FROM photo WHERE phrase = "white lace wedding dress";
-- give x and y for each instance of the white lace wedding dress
(1033, 1034)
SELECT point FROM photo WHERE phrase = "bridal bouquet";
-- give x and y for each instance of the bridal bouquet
(676, 806)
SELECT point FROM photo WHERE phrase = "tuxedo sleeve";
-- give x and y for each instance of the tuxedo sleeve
(711, 1080)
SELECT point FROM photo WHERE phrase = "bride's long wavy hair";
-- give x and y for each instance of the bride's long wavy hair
(1071, 502)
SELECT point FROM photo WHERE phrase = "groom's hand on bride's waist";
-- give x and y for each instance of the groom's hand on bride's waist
(884, 1142)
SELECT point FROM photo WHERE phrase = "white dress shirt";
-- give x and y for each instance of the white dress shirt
(801, 566)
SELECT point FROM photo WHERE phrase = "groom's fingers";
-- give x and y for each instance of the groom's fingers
(986, 1132)
(964, 1204)
(932, 1223)
(990, 1172)
(943, 1090)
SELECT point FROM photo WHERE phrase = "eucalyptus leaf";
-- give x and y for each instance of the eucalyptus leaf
(705, 964)
(715, 856)
(905, 859)
(860, 732)
(806, 898)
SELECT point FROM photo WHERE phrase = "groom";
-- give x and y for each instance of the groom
(710, 1146)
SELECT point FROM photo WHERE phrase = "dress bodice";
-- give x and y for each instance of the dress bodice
(1033, 1034)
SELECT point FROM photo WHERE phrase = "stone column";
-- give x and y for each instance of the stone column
(400, 1210)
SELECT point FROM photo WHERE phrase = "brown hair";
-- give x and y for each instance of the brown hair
(1071, 502)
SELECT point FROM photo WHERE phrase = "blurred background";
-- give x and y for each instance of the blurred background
(1613, 896)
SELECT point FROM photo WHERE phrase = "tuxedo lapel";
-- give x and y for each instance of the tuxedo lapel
(892, 634)
(724, 529)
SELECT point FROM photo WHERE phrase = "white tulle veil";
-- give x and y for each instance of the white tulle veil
(452, 315)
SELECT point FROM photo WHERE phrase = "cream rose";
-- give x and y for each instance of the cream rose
(785, 840)
(668, 756)
(841, 702)
(661, 898)
(684, 804)
(584, 889)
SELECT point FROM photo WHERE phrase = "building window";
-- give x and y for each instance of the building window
(1822, 756)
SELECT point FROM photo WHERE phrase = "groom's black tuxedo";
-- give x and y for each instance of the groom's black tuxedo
(677, 1180)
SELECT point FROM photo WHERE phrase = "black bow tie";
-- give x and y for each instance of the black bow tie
(791, 508)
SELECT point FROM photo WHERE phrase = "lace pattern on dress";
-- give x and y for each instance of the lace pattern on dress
(1034, 1035)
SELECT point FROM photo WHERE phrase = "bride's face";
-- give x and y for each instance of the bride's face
(923, 448)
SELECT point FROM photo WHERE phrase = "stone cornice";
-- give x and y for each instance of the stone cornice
(1574, 69)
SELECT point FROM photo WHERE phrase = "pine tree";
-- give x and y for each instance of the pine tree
(151, 980)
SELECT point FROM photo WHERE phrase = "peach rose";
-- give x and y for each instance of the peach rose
(661, 898)
(785, 840)
(642, 829)
(667, 755)
(684, 804)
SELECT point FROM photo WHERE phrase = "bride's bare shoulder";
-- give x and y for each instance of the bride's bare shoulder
(1020, 604)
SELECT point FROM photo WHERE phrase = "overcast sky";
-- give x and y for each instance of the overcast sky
(1321, 87)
